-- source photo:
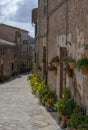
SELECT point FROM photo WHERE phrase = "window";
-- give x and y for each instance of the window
(44, 6)
(2, 51)
(24, 41)
(17, 36)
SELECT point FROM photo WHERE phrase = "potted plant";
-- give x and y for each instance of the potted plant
(86, 50)
(55, 61)
(68, 70)
(50, 99)
(84, 124)
(78, 109)
(53, 68)
(69, 60)
(42, 90)
(82, 64)
(65, 106)
(71, 63)
(76, 118)
(66, 93)
(65, 60)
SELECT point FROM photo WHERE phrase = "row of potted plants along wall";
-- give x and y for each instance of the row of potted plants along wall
(70, 114)
(81, 64)
(42, 91)
(69, 64)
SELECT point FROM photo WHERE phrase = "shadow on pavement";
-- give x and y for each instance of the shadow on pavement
(14, 77)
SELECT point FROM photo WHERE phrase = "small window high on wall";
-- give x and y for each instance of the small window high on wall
(18, 36)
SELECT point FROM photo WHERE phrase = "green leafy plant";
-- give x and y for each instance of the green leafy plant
(65, 106)
(42, 89)
(82, 62)
(70, 59)
(52, 68)
(55, 59)
(78, 109)
(66, 58)
(50, 97)
(66, 93)
(83, 126)
(86, 119)
(75, 120)
(34, 81)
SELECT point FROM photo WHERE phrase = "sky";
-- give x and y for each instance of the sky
(18, 13)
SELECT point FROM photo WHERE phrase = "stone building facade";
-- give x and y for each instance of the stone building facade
(40, 47)
(67, 35)
(7, 59)
(66, 28)
(17, 36)
(13, 34)
(27, 54)
(31, 51)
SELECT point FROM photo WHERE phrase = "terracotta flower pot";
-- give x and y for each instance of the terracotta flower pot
(86, 52)
(64, 117)
(72, 64)
(55, 64)
(69, 72)
(84, 70)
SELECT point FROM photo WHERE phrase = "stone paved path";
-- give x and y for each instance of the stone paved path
(20, 110)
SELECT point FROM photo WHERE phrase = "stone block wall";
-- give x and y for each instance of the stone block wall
(7, 59)
(41, 34)
(75, 21)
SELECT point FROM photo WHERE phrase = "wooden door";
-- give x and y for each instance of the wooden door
(63, 53)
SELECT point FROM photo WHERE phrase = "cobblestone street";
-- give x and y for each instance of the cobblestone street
(20, 110)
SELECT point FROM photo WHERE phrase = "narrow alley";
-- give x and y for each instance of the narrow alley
(20, 110)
